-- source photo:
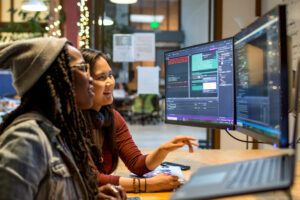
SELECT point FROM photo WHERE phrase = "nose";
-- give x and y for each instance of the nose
(91, 80)
(109, 82)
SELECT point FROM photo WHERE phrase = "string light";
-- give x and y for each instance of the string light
(83, 24)
(53, 29)
(84, 29)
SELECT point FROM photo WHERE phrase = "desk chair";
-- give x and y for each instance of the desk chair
(137, 109)
(145, 109)
(152, 108)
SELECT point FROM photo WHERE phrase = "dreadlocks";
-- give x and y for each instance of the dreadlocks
(42, 97)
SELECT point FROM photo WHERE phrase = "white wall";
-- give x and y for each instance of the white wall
(243, 11)
(267, 5)
(194, 21)
(237, 10)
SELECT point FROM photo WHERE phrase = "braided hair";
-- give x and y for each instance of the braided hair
(57, 81)
(102, 120)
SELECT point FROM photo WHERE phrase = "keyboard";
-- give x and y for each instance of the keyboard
(255, 172)
(251, 176)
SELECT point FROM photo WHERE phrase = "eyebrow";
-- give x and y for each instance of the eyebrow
(102, 73)
(106, 72)
(80, 63)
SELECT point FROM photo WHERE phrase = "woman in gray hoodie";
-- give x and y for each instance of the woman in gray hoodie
(44, 145)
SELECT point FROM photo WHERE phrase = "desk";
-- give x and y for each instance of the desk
(202, 158)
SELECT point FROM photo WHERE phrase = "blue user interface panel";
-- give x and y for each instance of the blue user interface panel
(6, 87)
(200, 85)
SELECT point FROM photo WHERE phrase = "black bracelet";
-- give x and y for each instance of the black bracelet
(134, 186)
(145, 185)
(139, 185)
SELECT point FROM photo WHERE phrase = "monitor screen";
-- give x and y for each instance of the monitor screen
(199, 85)
(261, 79)
(6, 87)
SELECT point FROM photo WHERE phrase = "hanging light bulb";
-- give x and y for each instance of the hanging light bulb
(123, 1)
(34, 5)
(107, 21)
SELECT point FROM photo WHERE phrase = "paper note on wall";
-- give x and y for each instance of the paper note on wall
(123, 49)
(293, 31)
(144, 46)
(148, 80)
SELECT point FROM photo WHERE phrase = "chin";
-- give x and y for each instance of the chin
(110, 102)
(107, 103)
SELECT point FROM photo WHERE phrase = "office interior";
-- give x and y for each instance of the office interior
(184, 23)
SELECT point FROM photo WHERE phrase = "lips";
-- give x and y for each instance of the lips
(91, 90)
(107, 93)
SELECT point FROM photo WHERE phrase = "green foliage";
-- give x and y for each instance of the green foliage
(31, 27)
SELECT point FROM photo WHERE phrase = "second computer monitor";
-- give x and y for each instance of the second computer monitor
(261, 79)
(199, 85)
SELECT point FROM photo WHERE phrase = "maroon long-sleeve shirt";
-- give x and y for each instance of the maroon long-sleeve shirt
(128, 152)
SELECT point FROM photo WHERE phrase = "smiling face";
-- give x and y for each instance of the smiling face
(104, 83)
(83, 83)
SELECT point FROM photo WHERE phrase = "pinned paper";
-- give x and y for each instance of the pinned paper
(148, 80)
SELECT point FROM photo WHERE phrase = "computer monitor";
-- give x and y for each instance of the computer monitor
(6, 87)
(261, 79)
(199, 83)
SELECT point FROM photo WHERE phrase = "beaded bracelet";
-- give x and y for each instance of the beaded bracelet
(145, 185)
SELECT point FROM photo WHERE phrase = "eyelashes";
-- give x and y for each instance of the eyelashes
(103, 77)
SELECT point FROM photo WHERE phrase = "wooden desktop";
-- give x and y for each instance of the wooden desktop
(202, 158)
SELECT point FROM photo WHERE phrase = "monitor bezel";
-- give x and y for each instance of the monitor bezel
(283, 140)
(203, 124)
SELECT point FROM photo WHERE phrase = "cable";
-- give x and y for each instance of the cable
(243, 140)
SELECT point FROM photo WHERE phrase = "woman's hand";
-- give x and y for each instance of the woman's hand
(111, 192)
(178, 142)
(162, 182)
(155, 158)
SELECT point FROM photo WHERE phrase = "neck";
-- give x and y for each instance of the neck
(96, 108)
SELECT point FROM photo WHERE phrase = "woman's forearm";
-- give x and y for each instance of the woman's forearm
(126, 183)
(160, 182)
(133, 184)
(154, 159)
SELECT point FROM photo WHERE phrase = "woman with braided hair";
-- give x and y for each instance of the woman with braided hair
(44, 145)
